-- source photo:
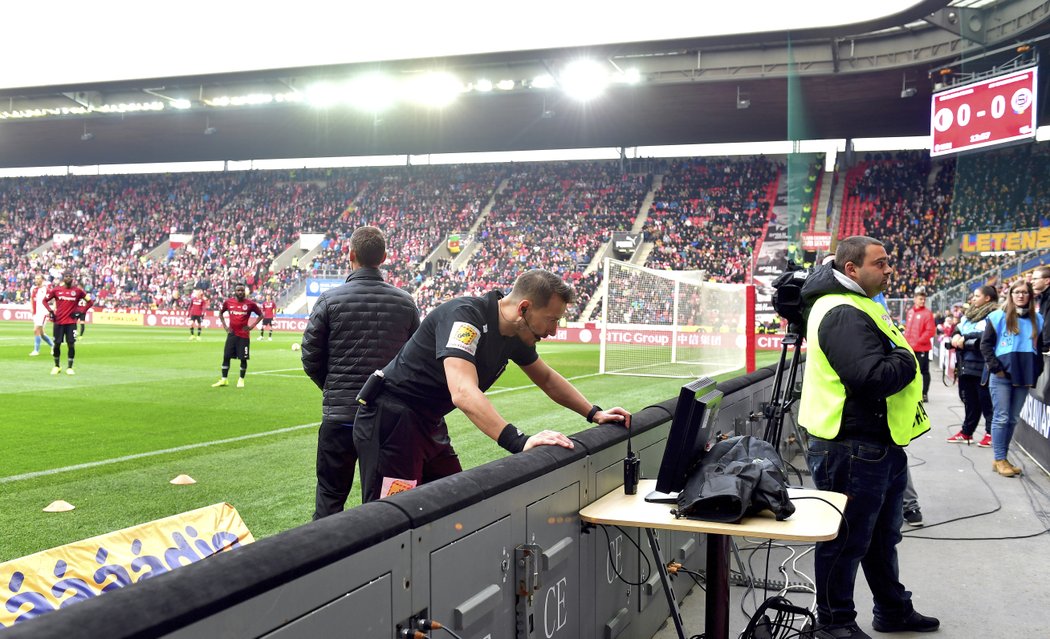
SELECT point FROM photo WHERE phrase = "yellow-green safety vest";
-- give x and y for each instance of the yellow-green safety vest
(824, 395)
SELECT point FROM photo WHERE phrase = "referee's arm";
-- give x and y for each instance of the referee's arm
(561, 391)
(462, 377)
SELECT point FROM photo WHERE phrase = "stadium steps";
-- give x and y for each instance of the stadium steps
(460, 261)
(647, 203)
(160, 251)
(40, 249)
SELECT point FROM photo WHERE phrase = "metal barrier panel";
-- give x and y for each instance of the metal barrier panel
(496, 551)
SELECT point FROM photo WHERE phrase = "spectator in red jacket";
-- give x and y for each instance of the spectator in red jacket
(919, 330)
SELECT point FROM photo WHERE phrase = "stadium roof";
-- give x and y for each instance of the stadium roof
(837, 79)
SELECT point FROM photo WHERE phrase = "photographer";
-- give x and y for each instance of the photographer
(861, 405)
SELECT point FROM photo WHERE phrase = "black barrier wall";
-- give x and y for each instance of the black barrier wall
(495, 552)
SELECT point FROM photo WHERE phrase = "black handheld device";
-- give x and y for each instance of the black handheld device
(373, 385)
(632, 467)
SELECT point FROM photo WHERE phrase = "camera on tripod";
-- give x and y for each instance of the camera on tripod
(787, 301)
(787, 297)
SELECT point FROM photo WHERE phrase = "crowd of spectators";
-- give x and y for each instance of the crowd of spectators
(910, 201)
(554, 215)
(709, 214)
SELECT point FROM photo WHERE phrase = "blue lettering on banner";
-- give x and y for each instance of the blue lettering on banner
(67, 591)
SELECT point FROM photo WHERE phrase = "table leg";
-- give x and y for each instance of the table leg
(661, 567)
(716, 616)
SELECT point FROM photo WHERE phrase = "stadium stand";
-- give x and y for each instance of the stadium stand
(708, 213)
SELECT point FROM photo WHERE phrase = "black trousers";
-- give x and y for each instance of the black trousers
(977, 401)
(336, 459)
(924, 368)
(394, 442)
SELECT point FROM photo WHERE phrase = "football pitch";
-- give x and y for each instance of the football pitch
(140, 411)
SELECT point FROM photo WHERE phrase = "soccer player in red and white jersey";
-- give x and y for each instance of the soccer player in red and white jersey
(67, 304)
(36, 301)
(198, 306)
(239, 330)
(269, 310)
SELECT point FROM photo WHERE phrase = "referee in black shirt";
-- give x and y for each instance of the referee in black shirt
(459, 351)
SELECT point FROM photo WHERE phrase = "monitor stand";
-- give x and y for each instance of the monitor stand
(656, 497)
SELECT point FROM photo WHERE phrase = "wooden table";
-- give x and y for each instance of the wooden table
(813, 520)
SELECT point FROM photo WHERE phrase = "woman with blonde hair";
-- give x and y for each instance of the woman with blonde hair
(1012, 348)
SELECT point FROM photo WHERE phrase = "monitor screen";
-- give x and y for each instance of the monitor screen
(691, 430)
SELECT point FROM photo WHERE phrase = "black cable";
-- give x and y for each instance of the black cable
(998, 506)
(430, 624)
(616, 571)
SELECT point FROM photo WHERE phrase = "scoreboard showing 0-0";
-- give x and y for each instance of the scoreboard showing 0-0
(992, 111)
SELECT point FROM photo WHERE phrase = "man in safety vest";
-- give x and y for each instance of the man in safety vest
(861, 405)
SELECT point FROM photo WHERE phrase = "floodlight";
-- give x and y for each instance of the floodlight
(436, 89)
(372, 93)
(505, 85)
(584, 79)
(483, 85)
(181, 104)
(632, 76)
(322, 94)
(543, 81)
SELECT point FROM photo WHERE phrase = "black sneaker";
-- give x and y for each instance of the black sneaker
(842, 631)
(913, 517)
(914, 622)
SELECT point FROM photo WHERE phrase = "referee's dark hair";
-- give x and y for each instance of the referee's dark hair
(538, 285)
(369, 246)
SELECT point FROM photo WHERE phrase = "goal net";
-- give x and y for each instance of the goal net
(674, 324)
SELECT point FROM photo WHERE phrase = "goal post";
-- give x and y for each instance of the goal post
(673, 323)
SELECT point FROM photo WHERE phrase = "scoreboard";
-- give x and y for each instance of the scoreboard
(986, 113)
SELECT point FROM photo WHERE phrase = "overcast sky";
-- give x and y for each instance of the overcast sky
(76, 42)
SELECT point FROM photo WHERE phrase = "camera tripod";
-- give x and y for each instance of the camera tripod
(783, 395)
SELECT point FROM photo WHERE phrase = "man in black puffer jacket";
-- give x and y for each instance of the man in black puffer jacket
(354, 330)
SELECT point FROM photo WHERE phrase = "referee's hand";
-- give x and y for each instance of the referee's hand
(548, 438)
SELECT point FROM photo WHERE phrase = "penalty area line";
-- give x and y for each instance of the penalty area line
(153, 453)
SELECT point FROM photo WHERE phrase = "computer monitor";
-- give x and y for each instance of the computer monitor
(691, 430)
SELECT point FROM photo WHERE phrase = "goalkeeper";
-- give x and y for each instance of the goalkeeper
(459, 351)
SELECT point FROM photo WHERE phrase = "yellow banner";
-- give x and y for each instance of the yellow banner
(134, 319)
(1026, 240)
(52, 579)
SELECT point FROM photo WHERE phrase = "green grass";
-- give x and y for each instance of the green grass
(141, 391)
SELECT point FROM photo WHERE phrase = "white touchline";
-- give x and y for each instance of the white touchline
(517, 388)
(177, 449)
(116, 460)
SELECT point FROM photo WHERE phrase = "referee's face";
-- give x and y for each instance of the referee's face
(538, 322)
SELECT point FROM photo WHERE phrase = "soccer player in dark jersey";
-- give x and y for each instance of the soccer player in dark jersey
(239, 330)
(67, 303)
(269, 310)
(198, 306)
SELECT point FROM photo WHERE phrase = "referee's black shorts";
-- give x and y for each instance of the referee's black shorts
(237, 347)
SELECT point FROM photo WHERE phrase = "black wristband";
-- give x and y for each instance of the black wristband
(595, 409)
(511, 439)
